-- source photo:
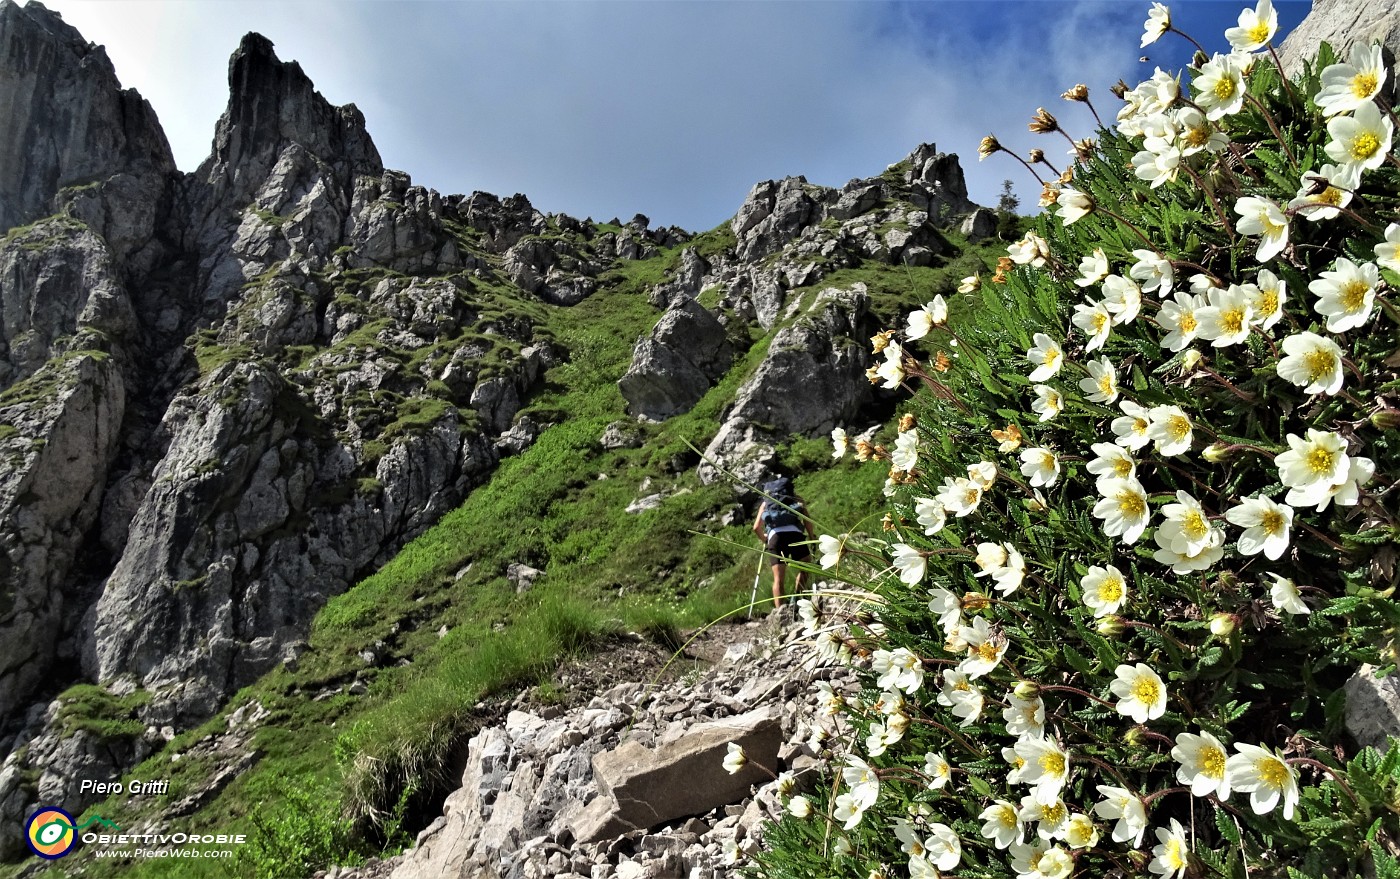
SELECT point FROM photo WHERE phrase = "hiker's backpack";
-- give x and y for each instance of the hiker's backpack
(779, 509)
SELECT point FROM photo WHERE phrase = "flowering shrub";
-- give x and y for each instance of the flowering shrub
(1142, 527)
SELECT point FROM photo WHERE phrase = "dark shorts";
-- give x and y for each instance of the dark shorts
(786, 546)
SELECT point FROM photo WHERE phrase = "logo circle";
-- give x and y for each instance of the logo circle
(50, 832)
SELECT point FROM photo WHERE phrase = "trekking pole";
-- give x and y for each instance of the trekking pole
(753, 595)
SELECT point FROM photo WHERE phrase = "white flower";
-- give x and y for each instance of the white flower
(1041, 859)
(1092, 268)
(970, 284)
(864, 784)
(1260, 216)
(948, 608)
(922, 321)
(1024, 717)
(892, 370)
(1002, 824)
(1172, 855)
(1169, 429)
(1323, 193)
(1173, 549)
(830, 549)
(986, 645)
(1198, 133)
(944, 847)
(984, 473)
(1225, 321)
(799, 807)
(960, 695)
(1270, 292)
(1093, 318)
(1346, 294)
(1131, 428)
(1104, 589)
(1157, 168)
(1047, 403)
(734, 759)
(1256, 27)
(906, 451)
(1101, 386)
(1179, 316)
(959, 496)
(937, 769)
(1159, 21)
(1265, 777)
(1153, 271)
(1041, 466)
(1266, 526)
(1030, 250)
(1111, 461)
(1221, 87)
(1124, 806)
(1123, 509)
(1188, 523)
(840, 443)
(1049, 818)
(1047, 767)
(910, 563)
(1080, 831)
(1285, 596)
(1388, 251)
(1345, 87)
(1321, 459)
(1202, 759)
(1122, 298)
(1073, 205)
(848, 810)
(930, 514)
(882, 734)
(1363, 137)
(1141, 693)
(1047, 357)
(1346, 493)
(899, 669)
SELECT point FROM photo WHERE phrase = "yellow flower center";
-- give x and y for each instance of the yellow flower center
(1111, 590)
(1364, 84)
(1232, 320)
(1320, 460)
(1052, 356)
(1194, 525)
(1175, 855)
(1271, 771)
(1213, 763)
(987, 651)
(1131, 504)
(1179, 427)
(962, 686)
(1123, 468)
(1365, 146)
(1259, 33)
(1271, 522)
(1224, 88)
(1187, 322)
(1146, 691)
(1320, 363)
(1267, 303)
(1053, 763)
(971, 497)
(1106, 385)
(1140, 426)
(1053, 814)
(1353, 295)
(1197, 137)
(1331, 195)
(1100, 321)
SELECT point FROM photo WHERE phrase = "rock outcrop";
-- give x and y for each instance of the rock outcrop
(687, 351)
(1343, 24)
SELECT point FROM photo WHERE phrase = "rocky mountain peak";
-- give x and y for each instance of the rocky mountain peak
(68, 121)
(272, 105)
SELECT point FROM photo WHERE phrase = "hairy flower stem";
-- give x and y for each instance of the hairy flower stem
(1028, 166)
(1214, 202)
(1136, 231)
(1147, 800)
(1135, 624)
(966, 746)
(1273, 126)
(1078, 692)
(1323, 537)
(1243, 395)
(1287, 84)
(1336, 776)
(1104, 766)
(1188, 38)
(1090, 105)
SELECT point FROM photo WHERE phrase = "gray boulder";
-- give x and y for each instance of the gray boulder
(774, 213)
(980, 224)
(1342, 24)
(687, 351)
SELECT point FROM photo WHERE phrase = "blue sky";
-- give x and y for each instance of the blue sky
(671, 108)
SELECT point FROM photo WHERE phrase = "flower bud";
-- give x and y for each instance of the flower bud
(1222, 624)
(1190, 360)
(1026, 689)
(989, 145)
(786, 784)
(1218, 453)
(1386, 419)
(799, 807)
(1119, 89)
(1079, 92)
(1110, 626)
(1134, 737)
(1037, 156)
(1042, 122)
(881, 340)
(906, 422)
(1139, 860)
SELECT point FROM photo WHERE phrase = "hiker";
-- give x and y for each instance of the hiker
(783, 527)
